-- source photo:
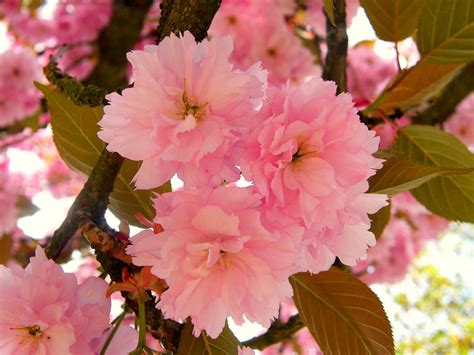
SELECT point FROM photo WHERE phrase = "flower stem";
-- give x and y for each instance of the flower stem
(117, 322)
(141, 329)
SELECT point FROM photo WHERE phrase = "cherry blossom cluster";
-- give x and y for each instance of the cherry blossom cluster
(407, 232)
(45, 311)
(227, 251)
(68, 22)
(262, 34)
(18, 96)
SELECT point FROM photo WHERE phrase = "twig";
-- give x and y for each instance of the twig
(336, 39)
(276, 333)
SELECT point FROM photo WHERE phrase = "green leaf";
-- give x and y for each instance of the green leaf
(393, 20)
(413, 87)
(125, 202)
(74, 130)
(25, 206)
(342, 313)
(329, 9)
(400, 174)
(225, 344)
(379, 220)
(75, 135)
(451, 197)
(446, 31)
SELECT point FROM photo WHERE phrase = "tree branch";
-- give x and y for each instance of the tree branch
(178, 16)
(445, 105)
(90, 204)
(276, 333)
(114, 41)
(336, 39)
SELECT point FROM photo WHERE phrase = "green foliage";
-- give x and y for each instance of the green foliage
(25, 206)
(449, 196)
(75, 135)
(400, 174)
(445, 304)
(379, 220)
(445, 38)
(342, 313)
(225, 344)
(413, 87)
(393, 20)
(446, 31)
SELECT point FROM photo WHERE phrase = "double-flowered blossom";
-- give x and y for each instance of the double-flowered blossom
(310, 157)
(186, 109)
(44, 311)
(216, 257)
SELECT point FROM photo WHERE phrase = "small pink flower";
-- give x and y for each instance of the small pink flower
(216, 257)
(186, 109)
(44, 311)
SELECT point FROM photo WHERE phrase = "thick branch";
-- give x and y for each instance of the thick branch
(118, 38)
(336, 58)
(276, 333)
(178, 16)
(90, 204)
(445, 105)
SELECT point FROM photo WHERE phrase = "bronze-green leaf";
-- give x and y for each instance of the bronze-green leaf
(342, 313)
(225, 344)
(75, 136)
(413, 87)
(393, 20)
(329, 9)
(446, 31)
(400, 174)
(379, 220)
(449, 196)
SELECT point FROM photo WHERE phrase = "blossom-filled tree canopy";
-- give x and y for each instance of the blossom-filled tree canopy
(171, 170)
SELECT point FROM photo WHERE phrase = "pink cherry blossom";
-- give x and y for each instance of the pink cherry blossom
(310, 157)
(187, 107)
(461, 123)
(410, 227)
(44, 311)
(123, 343)
(216, 257)
(261, 34)
(18, 96)
(367, 73)
(245, 351)
(71, 21)
(8, 198)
